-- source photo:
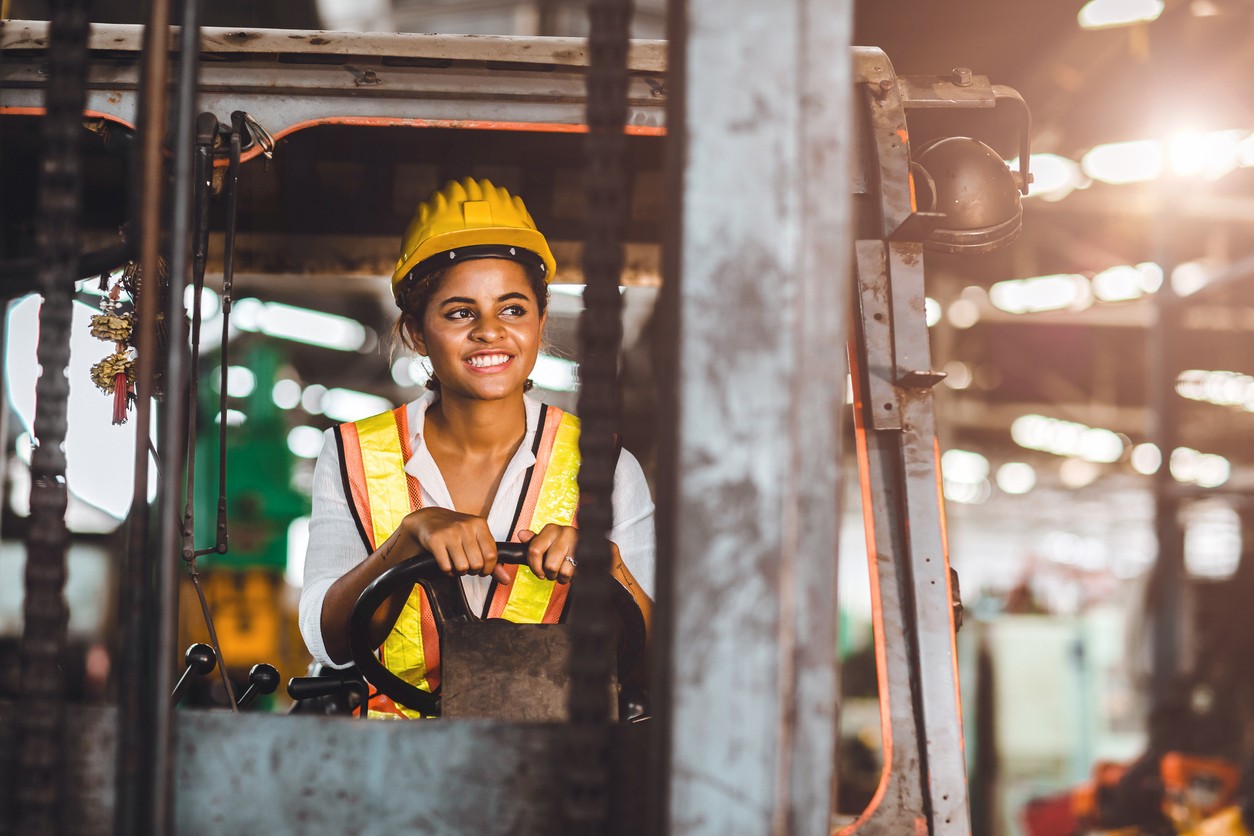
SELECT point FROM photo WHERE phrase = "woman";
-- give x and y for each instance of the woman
(473, 461)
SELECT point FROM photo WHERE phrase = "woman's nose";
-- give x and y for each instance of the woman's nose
(486, 328)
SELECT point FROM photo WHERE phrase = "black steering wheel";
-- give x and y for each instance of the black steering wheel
(444, 593)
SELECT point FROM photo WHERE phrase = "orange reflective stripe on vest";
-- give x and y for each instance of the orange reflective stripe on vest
(550, 498)
(373, 453)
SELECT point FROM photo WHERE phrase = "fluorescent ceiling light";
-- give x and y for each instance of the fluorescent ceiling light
(286, 393)
(303, 325)
(1053, 177)
(556, 374)
(1125, 162)
(1061, 291)
(305, 441)
(931, 311)
(1016, 477)
(348, 405)
(1101, 14)
(1067, 438)
(1206, 470)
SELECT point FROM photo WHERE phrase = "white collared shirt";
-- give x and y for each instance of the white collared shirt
(335, 546)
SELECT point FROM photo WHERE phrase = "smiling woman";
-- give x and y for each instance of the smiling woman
(473, 462)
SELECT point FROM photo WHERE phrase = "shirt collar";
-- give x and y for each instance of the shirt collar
(524, 457)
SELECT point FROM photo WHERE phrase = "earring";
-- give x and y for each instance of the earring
(528, 385)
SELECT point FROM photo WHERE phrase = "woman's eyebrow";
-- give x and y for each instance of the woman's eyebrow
(457, 300)
(514, 295)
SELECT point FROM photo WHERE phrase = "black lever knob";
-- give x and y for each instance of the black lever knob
(200, 660)
(311, 687)
(262, 679)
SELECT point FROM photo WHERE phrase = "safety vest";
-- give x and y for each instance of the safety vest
(373, 452)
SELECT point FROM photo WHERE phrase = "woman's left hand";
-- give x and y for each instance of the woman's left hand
(551, 553)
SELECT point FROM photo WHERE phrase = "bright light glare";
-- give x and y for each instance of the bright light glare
(1212, 540)
(1191, 276)
(1016, 477)
(1206, 470)
(1146, 459)
(1066, 438)
(1210, 155)
(964, 466)
(1078, 473)
(1124, 162)
(305, 442)
(1043, 293)
(1053, 177)
(931, 311)
(100, 456)
(209, 303)
(1218, 387)
(302, 325)
(1151, 276)
(957, 374)
(286, 393)
(348, 405)
(311, 398)
(312, 327)
(967, 493)
(1099, 14)
(409, 371)
(240, 381)
(297, 545)
(1118, 284)
(555, 374)
(965, 477)
(234, 418)
(964, 313)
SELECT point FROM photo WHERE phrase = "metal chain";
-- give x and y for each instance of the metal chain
(600, 330)
(45, 612)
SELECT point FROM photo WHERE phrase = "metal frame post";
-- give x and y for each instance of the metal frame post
(748, 510)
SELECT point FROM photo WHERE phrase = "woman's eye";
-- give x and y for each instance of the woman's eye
(459, 313)
(515, 310)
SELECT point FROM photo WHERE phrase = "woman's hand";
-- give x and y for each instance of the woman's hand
(461, 544)
(551, 553)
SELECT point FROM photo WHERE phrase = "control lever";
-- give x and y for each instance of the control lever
(311, 687)
(262, 679)
(200, 660)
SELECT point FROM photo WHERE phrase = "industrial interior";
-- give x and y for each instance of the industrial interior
(929, 325)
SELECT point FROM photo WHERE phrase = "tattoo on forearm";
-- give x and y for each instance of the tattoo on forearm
(385, 550)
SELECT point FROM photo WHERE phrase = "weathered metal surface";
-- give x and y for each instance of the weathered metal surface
(920, 92)
(879, 96)
(923, 787)
(760, 307)
(420, 80)
(898, 805)
(505, 671)
(876, 335)
(274, 774)
(643, 56)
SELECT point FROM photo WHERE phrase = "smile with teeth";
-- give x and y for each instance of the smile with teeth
(487, 361)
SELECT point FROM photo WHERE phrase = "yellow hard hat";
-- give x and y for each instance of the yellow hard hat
(471, 219)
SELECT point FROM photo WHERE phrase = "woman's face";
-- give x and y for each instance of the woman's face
(481, 329)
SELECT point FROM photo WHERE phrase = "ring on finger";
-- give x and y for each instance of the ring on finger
(573, 563)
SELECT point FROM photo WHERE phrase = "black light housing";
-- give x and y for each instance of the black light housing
(967, 182)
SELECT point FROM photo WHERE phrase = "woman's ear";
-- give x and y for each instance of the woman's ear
(415, 336)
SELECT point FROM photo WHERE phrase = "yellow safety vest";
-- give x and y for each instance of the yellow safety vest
(373, 452)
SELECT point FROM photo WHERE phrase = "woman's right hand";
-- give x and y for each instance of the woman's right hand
(461, 544)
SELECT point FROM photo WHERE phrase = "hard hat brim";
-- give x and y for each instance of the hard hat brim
(529, 240)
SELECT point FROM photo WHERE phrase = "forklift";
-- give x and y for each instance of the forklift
(295, 156)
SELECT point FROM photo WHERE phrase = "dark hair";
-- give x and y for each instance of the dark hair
(414, 294)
